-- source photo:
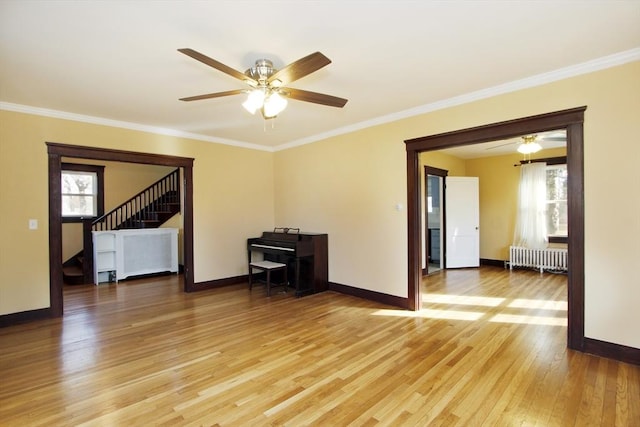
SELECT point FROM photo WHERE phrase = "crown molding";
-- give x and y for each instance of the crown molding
(598, 64)
(56, 114)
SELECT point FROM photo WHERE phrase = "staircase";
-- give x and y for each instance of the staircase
(150, 208)
(72, 273)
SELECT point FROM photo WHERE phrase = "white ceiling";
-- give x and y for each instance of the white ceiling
(116, 62)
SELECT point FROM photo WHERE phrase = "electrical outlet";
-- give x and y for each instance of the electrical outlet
(33, 224)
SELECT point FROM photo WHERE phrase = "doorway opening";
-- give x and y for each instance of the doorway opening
(56, 153)
(434, 220)
(571, 121)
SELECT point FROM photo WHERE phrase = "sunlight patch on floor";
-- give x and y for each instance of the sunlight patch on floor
(529, 320)
(491, 304)
(462, 300)
(539, 303)
(432, 314)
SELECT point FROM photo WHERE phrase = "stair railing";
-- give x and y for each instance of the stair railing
(154, 198)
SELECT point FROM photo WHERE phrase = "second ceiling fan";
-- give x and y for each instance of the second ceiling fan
(529, 144)
(268, 91)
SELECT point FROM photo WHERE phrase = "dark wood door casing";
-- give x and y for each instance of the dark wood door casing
(572, 121)
(441, 173)
(55, 152)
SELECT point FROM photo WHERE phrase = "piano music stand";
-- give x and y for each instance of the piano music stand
(268, 267)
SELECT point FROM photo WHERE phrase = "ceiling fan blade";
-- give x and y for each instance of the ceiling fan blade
(300, 68)
(316, 98)
(218, 65)
(213, 95)
(502, 145)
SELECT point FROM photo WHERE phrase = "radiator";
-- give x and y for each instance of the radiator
(119, 254)
(554, 259)
(145, 251)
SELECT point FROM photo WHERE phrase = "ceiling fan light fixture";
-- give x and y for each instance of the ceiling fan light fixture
(529, 145)
(529, 148)
(274, 104)
(254, 101)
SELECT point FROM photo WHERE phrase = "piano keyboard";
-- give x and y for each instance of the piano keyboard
(279, 248)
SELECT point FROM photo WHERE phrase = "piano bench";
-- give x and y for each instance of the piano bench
(268, 267)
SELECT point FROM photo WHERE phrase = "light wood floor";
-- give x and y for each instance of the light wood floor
(489, 349)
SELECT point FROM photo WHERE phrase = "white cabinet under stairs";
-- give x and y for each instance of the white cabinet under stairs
(118, 254)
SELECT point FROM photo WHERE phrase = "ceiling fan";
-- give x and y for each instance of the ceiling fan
(531, 143)
(268, 91)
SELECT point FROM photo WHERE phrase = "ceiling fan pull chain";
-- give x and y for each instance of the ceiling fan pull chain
(271, 120)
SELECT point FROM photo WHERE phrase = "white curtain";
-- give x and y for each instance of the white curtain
(531, 220)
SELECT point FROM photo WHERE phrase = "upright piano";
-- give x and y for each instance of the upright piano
(306, 256)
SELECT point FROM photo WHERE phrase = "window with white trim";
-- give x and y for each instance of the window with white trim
(81, 189)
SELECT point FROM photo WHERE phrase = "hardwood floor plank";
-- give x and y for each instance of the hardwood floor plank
(624, 400)
(489, 349)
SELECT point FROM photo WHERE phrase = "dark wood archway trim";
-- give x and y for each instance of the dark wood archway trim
(430, 170)
(96, 153)
(55, 152)
(572, 121)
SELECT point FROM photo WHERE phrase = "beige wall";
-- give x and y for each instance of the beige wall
(348, 186)
(455, 166)
(233, 199)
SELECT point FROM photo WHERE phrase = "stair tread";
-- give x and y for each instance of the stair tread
(73, 275)
(72, 271)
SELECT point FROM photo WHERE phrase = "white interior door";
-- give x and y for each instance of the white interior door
(462, 213)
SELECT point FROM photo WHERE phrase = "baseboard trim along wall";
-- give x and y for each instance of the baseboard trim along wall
(493, 262)
(25, 316)
(369, 295)
(612, 351)
(219, 283)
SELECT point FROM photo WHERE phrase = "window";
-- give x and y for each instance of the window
(557, 223)
(79, 193)
(82, 192)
